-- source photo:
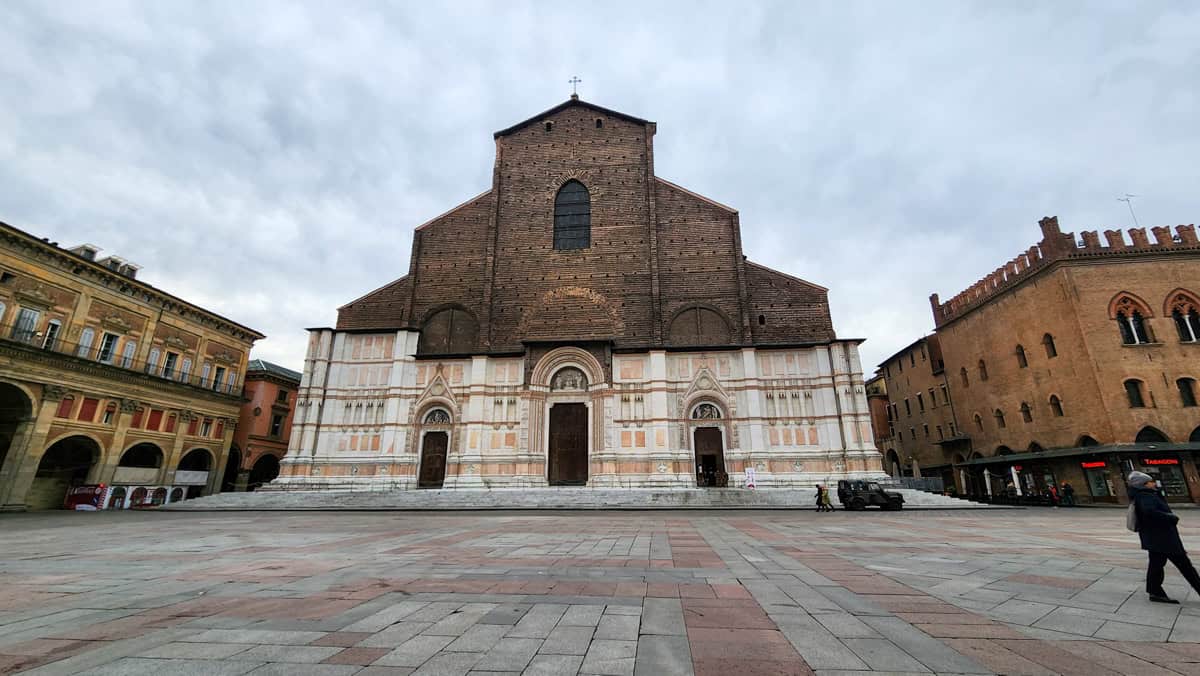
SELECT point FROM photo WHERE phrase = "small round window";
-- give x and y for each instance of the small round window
(437, 417)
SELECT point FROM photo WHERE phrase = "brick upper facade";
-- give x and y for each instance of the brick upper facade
(664, 267)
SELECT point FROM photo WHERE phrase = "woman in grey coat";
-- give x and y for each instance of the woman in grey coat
(1160, 537)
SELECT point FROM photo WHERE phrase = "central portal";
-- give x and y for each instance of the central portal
(568, 454)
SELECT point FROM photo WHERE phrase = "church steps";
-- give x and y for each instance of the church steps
(538, 499)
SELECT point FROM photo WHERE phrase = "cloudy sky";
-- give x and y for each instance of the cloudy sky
(269, 161)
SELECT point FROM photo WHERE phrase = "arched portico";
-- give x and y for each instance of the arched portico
(194, 470)
(265, 469)
(16, 420)
(66, 463)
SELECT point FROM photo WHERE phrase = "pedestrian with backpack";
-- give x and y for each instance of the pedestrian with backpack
(1155, 523)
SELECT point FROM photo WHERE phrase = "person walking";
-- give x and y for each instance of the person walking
(1068, 495)
(823, 499)
(1156, 527)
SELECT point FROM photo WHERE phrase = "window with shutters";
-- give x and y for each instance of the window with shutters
(572, 217)
(1185, 312)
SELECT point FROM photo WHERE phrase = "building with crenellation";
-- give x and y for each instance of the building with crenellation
(1075, 362)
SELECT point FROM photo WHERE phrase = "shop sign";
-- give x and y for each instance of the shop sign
(1017, 467)
(1160, 461)
(1092, 465)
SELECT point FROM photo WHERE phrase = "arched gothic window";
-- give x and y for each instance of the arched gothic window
(1051, 350)
(978, 421)
(437, 416)
(999, 418)
(982, 370)
(963, 374)
(1022, 361)
(572, 217)
(1133, 328)
(1130, 314)
(706, 412)
(1026, 414)
(1056, 406)
(1185, 311)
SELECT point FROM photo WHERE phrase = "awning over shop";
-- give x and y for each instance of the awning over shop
(1084, 451)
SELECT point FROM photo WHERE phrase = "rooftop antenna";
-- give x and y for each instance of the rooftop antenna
(1128, 200)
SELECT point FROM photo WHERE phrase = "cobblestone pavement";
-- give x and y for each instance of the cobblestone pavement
(729, 593)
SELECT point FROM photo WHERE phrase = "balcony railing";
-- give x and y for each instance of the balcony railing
(194, 377)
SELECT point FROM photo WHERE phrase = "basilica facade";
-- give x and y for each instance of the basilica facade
(581, 323)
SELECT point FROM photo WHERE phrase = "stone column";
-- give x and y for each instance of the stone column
(217, 472)
(1016, 478)
(26, 451)
(166, 474)
(112, 458)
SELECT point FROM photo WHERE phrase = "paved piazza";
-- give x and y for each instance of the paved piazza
(386, 593)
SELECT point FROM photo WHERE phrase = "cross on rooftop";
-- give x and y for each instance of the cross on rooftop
(574, 82)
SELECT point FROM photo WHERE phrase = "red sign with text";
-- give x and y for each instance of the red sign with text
(1092, 465)
(1160, 461)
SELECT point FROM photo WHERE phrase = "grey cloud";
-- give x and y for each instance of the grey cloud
(269, 160)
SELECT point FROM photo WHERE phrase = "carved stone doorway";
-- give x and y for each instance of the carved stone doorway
(433, 460)
(568, 452)
(710, 458)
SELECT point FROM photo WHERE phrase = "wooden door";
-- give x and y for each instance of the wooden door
(710, 456)
(568, 457)
(433, 460)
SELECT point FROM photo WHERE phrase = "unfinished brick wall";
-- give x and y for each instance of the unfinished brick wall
(657, 252)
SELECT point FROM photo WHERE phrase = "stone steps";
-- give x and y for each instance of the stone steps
(541, 498)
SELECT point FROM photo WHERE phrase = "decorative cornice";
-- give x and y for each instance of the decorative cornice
(224, 357)
(176, 342)
(34, 295)
(48, 254)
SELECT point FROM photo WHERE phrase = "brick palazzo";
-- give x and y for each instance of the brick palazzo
(653, 593)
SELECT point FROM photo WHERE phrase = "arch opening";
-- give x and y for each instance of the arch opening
(15, 409)
(143, 456)
(265, 470)
(64, 465)
(1150, 435)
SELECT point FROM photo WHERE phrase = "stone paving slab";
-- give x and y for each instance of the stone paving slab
(695, 592)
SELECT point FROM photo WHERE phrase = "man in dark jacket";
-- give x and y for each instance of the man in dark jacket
(1156, 528)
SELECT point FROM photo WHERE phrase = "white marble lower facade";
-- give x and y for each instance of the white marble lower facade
(372, 415)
